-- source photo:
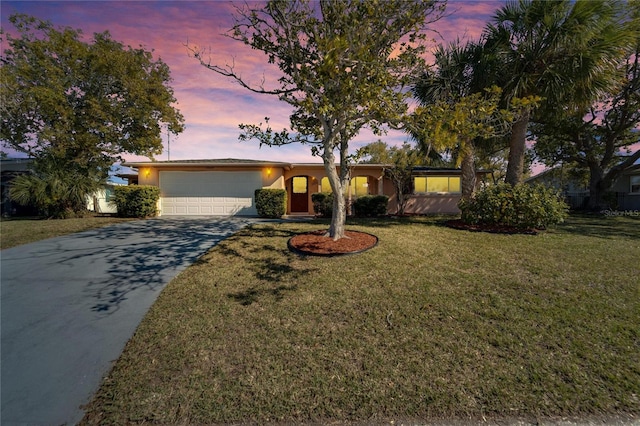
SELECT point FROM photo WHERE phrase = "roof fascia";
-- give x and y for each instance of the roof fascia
(161, 165)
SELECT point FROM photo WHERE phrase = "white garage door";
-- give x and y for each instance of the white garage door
(208, 193)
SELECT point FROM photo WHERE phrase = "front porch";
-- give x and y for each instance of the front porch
(303, 181)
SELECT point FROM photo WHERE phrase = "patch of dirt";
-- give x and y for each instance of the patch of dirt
(495, 229)
(317, 244)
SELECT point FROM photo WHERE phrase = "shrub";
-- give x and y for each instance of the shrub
(54, 194)
(271, 202)
(521, 206)
(322, 204)
(136, 200)
(371, 205)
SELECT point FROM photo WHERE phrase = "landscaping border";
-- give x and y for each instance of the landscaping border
(292, 246)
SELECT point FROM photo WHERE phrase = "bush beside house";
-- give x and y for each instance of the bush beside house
(371, 205)
(322, 204)
(136, 200)
(271, 203)
(521, 206)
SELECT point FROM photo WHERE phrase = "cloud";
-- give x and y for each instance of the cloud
(213, 105)
(465, 20)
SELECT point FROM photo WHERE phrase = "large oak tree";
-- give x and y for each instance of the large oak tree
(75, 106)
(344, 66)
(603, 138)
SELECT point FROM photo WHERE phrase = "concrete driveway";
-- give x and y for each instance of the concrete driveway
(69, 305)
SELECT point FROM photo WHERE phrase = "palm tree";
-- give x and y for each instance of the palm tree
(448, 82)
(459, 111)
(56, 191)
(562, 50)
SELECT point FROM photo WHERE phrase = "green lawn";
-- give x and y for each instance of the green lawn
(431, 324)
(18, 231)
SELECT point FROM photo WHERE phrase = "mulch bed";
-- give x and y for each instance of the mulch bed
(316, 243)
(495, 229)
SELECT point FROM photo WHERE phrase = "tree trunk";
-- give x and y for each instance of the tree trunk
(517, 149)
(601, 182)
(401, 199)
(468, 172)
(339, 216)
(596, 189)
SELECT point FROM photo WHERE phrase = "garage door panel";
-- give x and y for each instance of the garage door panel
(209, 193)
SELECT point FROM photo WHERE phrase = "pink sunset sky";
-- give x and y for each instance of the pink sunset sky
(213, 105)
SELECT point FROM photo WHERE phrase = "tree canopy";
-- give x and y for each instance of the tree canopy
(77, 106)
(344, 65)
(598, 138)
(458, 112)
(567, 52)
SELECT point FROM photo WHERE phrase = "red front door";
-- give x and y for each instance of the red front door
(299, 194)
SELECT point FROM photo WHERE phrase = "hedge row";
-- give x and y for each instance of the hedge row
(367, 205)
(371, 205)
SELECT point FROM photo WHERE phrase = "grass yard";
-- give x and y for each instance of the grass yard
(18, 231)
(431, 324)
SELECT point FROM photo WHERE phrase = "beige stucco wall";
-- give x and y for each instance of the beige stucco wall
(148, 176)
(433, 204)
(315, 174)
(272, 177)
(318, 172)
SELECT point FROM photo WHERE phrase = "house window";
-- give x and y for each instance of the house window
(299, 185)
(635, 184)
(108, 194)
(436, 185)
(359, 186)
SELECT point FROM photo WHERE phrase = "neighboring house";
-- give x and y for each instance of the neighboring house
(574, 186)
(227, 186)
(625, 190)
(100, 201)
(10, 168)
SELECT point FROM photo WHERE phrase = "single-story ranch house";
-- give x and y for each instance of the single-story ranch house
(227, 186)
(625, 189)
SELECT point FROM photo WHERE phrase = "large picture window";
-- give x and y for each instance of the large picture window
(436, 184)
(359, 186)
